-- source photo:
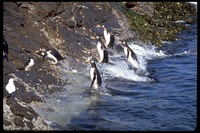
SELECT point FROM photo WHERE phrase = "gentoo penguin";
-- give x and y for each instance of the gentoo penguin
(10, 87)
(51, 54)
(103, 53)
(95, 76)
(130, 55)
(29, 64)
(5, 49)
(109, 38)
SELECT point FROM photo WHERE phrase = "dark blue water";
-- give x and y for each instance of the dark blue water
(169, 103)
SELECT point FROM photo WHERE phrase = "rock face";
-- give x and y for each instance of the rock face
(65, 26)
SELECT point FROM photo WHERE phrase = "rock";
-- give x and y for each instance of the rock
(19, 122)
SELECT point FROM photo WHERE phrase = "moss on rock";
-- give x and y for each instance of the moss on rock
(161, 24)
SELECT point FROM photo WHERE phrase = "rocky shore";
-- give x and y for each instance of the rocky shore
(64, 26)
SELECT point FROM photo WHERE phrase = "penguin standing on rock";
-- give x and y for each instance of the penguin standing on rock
(5, 49)
(109, 38)
(103, 53)
(10, 87)
(130, 55)
(29, 64)
(95, 76)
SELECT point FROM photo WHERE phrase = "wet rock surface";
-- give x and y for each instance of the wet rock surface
(64, 26)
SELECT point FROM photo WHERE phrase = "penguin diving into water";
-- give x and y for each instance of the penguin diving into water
(5, 49)
(51, 54)
(103, 53)
(109, 38)
(131, 56)
(95, 76)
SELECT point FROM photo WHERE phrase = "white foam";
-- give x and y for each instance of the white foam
(121, 68)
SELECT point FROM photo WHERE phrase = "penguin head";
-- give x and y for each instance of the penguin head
(11, 80)
(40, 51)
(123, 43)
(99, 26)
(89, 57)
(103, 27)
(92, 62)
(31, 59)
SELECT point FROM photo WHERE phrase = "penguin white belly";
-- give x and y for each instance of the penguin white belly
(92, 73)
(31, 64)
(10, 87)
(51, 57)
(101, 53)
(126, 51)
(107, 37)
(95, 85)
(133, 62)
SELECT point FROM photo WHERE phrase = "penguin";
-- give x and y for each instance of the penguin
(109, 38)
(5, 49)
(95, 76)
(103, 53)
(10, 87)
(130, 55)
(29, 64)
(51, 54)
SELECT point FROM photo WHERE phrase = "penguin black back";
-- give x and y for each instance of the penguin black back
(130, 51)
(56, 54)
(112, 41)
(103, 53)
(105, 60)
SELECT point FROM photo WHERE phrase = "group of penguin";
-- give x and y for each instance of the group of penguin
(102, 47)
(53, 55)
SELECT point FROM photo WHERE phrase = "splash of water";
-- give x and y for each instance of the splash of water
(121, 69)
